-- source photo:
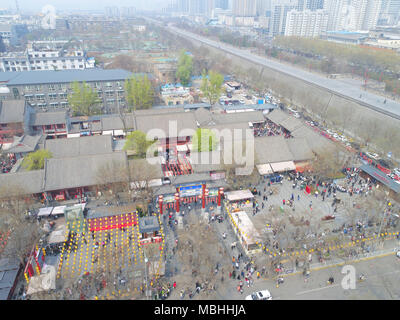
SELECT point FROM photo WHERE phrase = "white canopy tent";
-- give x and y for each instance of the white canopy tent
(239, 195)
(58, 235)
(182, 148)
(45, 212)
(58, 211)
(283, 166)
(264, 169)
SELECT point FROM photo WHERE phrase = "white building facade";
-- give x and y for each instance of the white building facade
(306, 23)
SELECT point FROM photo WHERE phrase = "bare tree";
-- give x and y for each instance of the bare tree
(23, 234)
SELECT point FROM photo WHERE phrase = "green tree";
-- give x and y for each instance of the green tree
(139, 92)
(35, 160)
(185, 68)
(212, 86)
(137, 143)
(204, 140)
(83, 100)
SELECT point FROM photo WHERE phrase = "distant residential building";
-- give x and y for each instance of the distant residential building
(244, 8)
(222, 4)
(112, 12)
(33, 59)
(360, 15)
(334, 9)
(279, 12)
(310, 5)
(128, 12)
(390, 13)
(306, 23)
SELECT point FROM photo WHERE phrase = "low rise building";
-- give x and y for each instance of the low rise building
(49, 90)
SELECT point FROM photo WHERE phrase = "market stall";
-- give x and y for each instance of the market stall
(283, 166)
(45, 212)
(264, 169)
(240, 199)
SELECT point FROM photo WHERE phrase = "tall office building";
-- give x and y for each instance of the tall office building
(244, 8)
(279, 11)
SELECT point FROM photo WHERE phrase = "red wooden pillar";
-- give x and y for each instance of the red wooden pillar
(177, 202)
(160, 203)
(205, 195)
(30, 270)
(220, 193)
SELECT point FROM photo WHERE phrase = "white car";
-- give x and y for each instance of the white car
(397, 254)
(372, 155)
(260, 295)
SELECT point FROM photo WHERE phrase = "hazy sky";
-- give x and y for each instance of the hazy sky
(36, 5)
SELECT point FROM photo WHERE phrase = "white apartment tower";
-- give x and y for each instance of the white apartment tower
(279, 12)
(306, 23)
(244, 8)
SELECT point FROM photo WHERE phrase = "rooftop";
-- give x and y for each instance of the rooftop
(65, 76)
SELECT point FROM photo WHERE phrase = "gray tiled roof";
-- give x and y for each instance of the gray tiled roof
(12, 111)
(300, 149)
(29, 182)
(250, 116)
(9, 268)
(148, 224)
(271, 149)
(73, 147)
(80, 171)
(67, 76)
(381, 177)
(24, 144)
(47, 118)
(183, 120)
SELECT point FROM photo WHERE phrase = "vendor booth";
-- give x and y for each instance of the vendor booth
(240, 199)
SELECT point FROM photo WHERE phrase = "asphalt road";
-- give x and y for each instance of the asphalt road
(352, 92)
(381, 283)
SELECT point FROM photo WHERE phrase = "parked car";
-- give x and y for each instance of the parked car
(260, 295)
(372, 155)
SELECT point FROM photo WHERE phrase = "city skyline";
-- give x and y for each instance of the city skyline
(76, 5)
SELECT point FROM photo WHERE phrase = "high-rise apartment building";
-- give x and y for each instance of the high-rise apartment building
(390, 12)
(306, 23)
(279, 11)
(222, 4)
(244, 8)
(310, 5)
(334, 9)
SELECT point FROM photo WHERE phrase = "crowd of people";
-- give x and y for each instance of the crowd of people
(268, 128)
(7, 162)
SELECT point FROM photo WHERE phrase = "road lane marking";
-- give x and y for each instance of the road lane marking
(318, 289)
